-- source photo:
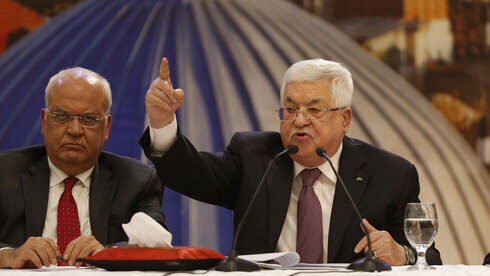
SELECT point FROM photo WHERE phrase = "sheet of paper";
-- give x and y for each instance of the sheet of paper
(63, 268)
(320, 266)
(284, 259)
(288, 260)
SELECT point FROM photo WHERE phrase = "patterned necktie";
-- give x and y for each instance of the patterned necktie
(309, 242)
(68, 222)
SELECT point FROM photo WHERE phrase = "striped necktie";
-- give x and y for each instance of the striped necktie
(309, 243)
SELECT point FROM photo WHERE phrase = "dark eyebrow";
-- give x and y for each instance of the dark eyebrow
(89, 115)
(289, 99)
(61, 110)
(313, 101)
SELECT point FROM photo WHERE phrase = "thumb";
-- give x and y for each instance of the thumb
(369, 227)
(179, 95)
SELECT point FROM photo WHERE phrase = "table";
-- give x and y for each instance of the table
(444, 270)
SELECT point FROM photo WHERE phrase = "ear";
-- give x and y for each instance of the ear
(346, 116)
(108, 126)
(43, 121)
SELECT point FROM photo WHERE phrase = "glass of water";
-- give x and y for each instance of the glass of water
(421, 230)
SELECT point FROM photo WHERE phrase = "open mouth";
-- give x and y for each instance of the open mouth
(301, 136)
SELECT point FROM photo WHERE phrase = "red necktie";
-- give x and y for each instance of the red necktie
(309, 242)
(68, 222)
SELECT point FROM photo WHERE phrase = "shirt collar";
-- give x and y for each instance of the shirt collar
(57, 176)
(325, 167)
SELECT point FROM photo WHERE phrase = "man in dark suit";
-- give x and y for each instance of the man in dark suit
(315, 111)
(106, 190)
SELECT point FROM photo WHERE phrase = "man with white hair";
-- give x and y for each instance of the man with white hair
(67, 199)
(300, 208)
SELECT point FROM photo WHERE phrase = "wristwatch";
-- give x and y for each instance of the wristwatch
(410, 255)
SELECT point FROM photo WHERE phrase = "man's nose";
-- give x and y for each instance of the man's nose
(301, 119)
(75, 128)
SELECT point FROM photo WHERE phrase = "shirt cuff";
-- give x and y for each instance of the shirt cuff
(163, 138)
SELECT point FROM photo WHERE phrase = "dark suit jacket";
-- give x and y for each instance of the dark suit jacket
(120, 187)
(380, 183)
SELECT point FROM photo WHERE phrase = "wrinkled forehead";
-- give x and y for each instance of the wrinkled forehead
(318, 89)
(77, 87)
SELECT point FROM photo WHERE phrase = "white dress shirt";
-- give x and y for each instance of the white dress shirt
(163, 138)
(324, 189)
(80, 193)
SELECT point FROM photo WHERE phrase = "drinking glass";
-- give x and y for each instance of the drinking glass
(420, 230)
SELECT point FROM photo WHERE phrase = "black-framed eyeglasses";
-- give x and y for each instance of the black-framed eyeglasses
(86, 120)
(312, 113)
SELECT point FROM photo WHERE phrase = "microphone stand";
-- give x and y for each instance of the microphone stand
(233, 263)
(369, 262)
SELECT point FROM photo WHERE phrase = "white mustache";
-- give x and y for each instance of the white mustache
(304, 130)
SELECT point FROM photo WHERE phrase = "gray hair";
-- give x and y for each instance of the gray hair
(78, 72)
(341, 83)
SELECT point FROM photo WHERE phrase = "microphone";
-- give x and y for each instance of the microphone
(370, 262)
(233, 263)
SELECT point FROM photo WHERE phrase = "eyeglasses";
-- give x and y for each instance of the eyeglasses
(86, 120)
(312, 113)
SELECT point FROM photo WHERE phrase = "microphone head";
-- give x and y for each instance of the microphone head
(292, 149)
(321, 151)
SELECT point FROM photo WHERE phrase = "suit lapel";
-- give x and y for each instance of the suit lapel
(35, 187)
(102, 190)
(355, 178)
(279, 185)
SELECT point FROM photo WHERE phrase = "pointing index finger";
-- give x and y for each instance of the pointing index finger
(164, 71)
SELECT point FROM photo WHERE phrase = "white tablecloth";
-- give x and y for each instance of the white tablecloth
(470, 270)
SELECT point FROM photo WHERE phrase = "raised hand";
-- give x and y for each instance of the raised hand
(161, 99)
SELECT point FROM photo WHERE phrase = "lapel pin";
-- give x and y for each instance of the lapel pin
(359, 179)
